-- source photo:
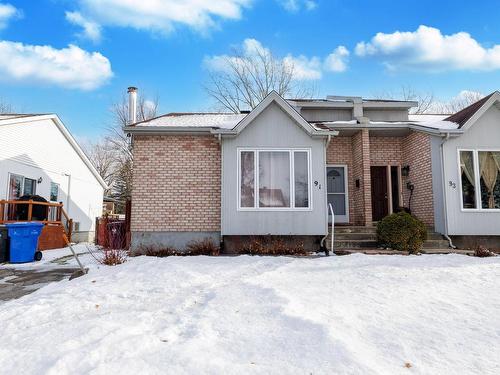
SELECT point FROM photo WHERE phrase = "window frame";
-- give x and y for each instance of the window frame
(50, 192)
(477, 180)
(291, 151)
(10, 174)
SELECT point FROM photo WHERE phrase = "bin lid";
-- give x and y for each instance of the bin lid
(24, 224)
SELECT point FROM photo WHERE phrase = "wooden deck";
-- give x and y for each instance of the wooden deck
(58, 226)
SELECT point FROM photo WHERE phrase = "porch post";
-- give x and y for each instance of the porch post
(361, 166)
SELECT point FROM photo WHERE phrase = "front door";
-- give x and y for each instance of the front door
(380, 206)
(336, 181)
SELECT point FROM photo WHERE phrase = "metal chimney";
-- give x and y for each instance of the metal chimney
(132, 105)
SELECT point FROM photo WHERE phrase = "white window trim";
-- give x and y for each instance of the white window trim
(477, 177)
(10, 174)
(291, 151)
(58, 190)
(346, 183)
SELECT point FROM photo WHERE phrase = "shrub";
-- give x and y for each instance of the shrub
(159, 252)
(205, 246)
(108, 257)
(402, 231)
(272, 245)
(483, 252)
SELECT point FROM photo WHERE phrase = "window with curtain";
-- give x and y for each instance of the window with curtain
(481, 187)
(467, 175)
(281, 176)
(489, 171)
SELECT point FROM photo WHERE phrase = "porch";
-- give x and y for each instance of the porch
(371, 174)
(58, 226)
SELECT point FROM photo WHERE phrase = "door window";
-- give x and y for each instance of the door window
(54, 192)
(337, 192)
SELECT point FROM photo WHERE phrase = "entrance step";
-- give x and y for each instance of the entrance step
(355, 229)
(355, 236)
(361, 238)
(394, 252)
(435, 244)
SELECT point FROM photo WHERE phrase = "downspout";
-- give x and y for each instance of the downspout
(443, 187)
(328, 140)
(68, 195)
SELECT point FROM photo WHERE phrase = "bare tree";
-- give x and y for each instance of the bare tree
(105, 159)
(5, 107)
(121, 146)
(462, 100)
(427, 103)
(112, 155)
(425, 100)
(243, 80)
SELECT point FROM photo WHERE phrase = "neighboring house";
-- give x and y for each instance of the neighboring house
(39, 156)
(273, 170)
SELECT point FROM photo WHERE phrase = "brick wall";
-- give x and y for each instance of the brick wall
(386, 151)
(361, 169)
(176, 184)
(417, 154)
(339, 151)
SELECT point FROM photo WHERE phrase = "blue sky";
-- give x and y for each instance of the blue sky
(165, 48)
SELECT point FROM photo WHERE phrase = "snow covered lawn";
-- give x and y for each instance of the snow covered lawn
(431, 314)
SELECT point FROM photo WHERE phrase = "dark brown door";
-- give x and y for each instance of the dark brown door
(379, 193)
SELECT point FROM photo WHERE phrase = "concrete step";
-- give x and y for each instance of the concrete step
(435, 244)
(353, 244)
(356, 236)
(374, 251)
(354, 229)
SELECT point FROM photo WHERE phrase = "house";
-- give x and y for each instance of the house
(38, 156)
(275, 169)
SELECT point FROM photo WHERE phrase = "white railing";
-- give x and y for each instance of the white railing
(332, 226)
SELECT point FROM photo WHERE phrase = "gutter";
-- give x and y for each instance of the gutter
(173, 130)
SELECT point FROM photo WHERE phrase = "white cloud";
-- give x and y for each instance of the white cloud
(296, 5)
(162, 16)
(69, 67)
(91, 29)
(337, 60)
(304, 68)
(428, 49)
(7, 13)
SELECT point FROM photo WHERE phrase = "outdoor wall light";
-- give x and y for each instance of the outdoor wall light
(405, 171)
(40, 180)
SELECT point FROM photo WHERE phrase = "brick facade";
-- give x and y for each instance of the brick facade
(176, 184)
(177, 179)
(417, 154)
(339, 152)
(361, 151)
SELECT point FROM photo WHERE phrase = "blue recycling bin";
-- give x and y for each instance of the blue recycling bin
(23, 241)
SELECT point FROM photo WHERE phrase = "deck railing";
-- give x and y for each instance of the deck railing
(48, 213)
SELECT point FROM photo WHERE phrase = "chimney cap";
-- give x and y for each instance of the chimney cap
(132, 89)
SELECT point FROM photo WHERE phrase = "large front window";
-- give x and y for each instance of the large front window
(274, 179)
(480, 179)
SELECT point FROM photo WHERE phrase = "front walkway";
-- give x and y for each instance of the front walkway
(17, 280)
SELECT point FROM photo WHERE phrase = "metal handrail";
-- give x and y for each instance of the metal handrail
(332, 226)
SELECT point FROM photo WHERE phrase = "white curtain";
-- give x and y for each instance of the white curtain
(467, 165)
(489, 172)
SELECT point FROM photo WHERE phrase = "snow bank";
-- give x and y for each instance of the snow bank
(263, 315)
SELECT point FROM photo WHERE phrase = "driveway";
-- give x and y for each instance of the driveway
(17, 280)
